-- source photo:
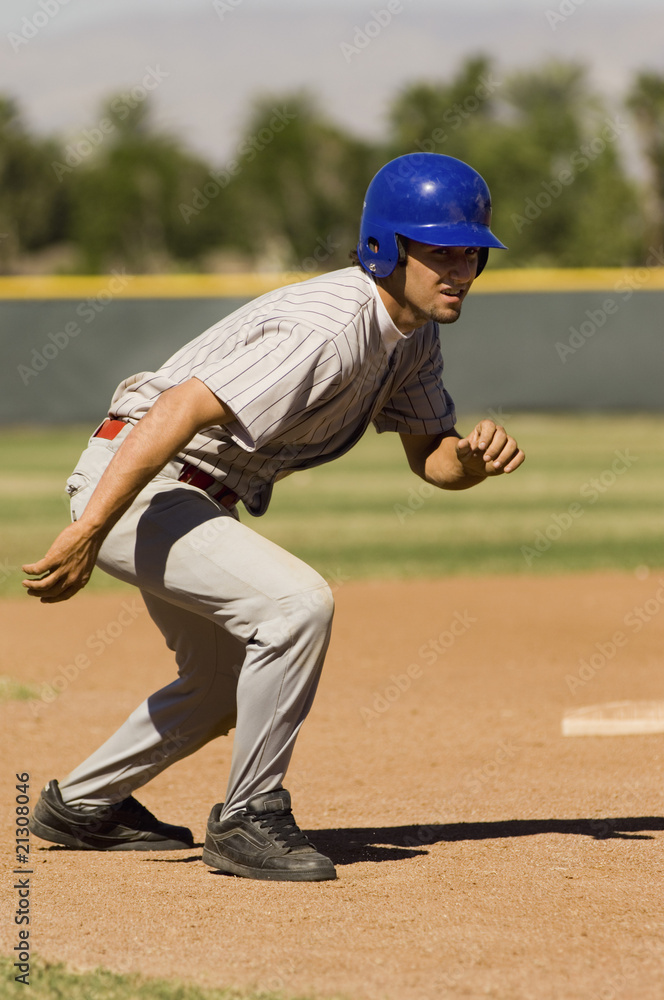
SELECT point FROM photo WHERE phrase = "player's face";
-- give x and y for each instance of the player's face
(432, 285)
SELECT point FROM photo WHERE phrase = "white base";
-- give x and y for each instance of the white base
(616, 718)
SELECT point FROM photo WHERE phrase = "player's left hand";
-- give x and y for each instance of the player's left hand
(489, 451)
(66, 567)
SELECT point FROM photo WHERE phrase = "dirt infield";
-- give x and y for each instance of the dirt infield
(480, 853)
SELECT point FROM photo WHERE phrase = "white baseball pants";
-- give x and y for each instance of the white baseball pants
(249, 624)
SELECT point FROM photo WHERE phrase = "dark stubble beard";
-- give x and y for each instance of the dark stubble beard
(449, 317)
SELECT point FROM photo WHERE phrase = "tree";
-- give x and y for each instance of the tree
(578, 208)
(445, 117)
(299, 186)
(33, 206)
(646, 102)
(124, 194)
(128, 194)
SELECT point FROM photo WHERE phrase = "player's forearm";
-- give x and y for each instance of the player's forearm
(164, 431)
(142, 455)
(442, 467)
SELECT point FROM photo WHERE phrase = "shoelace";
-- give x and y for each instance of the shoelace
(282, 826)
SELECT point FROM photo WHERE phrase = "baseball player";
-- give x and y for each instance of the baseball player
(288, 381)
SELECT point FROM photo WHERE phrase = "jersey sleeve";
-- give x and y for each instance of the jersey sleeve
(269, 383)
(420, 403)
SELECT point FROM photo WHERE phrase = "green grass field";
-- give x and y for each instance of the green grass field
(56, 982)
(366, 515)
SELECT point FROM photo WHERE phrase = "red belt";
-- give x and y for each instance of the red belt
(190, 474)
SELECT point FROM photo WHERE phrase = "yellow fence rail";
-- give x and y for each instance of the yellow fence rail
(119, 284)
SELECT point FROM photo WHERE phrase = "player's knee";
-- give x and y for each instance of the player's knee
(308, 616)
(318, 605)
(302, 617)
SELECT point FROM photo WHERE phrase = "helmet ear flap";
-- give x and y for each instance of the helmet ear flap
(378, 249)
(482, 258)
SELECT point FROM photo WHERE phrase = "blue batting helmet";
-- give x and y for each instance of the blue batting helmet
(427, 197)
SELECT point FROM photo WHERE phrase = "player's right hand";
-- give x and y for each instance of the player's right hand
(66, 567)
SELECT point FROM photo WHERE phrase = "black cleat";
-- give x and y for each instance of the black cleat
(264, 842)
(124, 826)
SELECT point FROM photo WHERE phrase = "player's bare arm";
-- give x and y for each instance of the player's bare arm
(176, 416)
(455, 463)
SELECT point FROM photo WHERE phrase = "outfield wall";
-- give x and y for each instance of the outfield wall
(527, 340)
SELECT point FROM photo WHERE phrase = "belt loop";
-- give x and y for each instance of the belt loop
(203, 481)
(110, 428)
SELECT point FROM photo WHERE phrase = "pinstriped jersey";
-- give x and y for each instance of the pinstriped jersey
(304, 369)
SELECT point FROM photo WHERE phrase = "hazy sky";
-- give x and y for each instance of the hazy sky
(209, 58)
(80, 11)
